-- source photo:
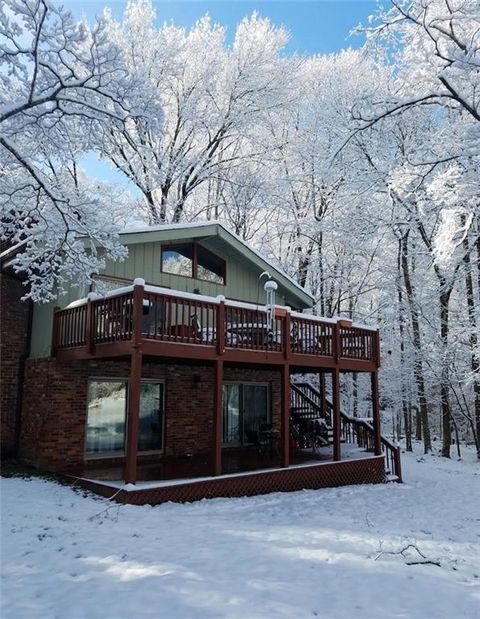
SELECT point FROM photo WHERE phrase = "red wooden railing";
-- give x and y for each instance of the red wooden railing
(171, 318)
(357, 343)
(112, 318)
(183, 318)
(70, 327)
(248, 329)
(312, 336)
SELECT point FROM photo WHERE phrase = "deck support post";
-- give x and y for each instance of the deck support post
(337, 449)
(133, 410)
(285, 414)
(133, 416)
(218, 416)
(377, 440)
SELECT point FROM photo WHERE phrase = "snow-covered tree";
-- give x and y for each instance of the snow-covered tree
(61, 84)
(213, 96)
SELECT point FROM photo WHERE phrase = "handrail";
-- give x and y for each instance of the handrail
(314, 405)
(173, 316)
(314, 394)
(365, 435)
(355, 430)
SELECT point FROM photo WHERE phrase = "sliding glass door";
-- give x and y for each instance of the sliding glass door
(246, 409)
(150, 424)
(232, 434)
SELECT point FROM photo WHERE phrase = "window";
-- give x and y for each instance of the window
(178, 260)
(106, 417)
(107, 413)
(150, 425)
(246, 409)
(193, 260)
(210, 267)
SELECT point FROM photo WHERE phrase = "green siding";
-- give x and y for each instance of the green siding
(42, 320)
(144, 260)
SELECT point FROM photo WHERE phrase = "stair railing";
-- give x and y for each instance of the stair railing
(353, 430)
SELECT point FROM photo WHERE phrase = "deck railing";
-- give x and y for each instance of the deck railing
(111, 319)
(170, 318)
(313, 336)
(70, 327)
(185, 318)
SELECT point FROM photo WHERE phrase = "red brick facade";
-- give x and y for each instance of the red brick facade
(55, 406)
(14, 335)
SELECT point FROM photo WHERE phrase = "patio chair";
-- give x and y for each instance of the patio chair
(196, 327)
(202, 333)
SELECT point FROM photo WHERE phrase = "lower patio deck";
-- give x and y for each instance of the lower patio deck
(245, 475)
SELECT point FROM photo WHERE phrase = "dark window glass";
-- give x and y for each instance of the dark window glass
(178, 260)
(150, 424)
(231, 414)
(209, 266)
(246, 410)
(255, 410)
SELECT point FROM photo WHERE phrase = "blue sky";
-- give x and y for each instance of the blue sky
(315, 26)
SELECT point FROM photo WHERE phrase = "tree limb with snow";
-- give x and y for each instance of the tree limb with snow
(62, 83)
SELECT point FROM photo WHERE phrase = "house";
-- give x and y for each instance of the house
(177, 378)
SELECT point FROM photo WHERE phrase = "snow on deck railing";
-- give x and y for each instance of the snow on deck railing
(333, 321)
(179, 294)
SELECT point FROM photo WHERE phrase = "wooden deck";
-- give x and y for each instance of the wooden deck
(139, 322)
(171, 324)
(234, 460)
(312, 475)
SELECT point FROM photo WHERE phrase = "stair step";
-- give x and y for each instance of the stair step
(392, 478)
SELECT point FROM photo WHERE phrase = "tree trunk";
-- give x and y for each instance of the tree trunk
(321, 273)
(473, 340)
(417, 344)
(152, 208)
(355, 393)
(406, 407)
(445, 374)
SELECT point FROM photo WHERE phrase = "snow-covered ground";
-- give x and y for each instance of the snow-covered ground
(325, 553)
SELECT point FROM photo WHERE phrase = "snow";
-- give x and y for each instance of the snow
(333, 320)
(67, 554)
(212, 300)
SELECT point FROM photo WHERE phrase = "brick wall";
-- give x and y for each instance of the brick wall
(55, 406)
(14, 326)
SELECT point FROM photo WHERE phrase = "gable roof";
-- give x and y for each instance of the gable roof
(209, 229)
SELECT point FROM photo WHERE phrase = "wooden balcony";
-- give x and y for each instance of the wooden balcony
(171, 324)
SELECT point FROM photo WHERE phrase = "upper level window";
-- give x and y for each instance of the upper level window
(193, 260)
(209, 266)
(178, 260)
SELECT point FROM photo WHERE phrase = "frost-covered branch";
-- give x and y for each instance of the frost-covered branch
(62, 82)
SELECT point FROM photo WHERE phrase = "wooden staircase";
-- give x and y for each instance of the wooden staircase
(307, 408)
